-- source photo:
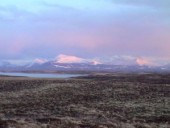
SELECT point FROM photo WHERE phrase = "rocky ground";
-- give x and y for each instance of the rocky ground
(98, 101)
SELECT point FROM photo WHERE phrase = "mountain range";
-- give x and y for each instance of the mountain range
(53, 66)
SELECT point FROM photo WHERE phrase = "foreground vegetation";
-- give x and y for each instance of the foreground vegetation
(98, 101)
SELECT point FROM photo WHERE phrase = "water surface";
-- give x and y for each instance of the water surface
(41, 75)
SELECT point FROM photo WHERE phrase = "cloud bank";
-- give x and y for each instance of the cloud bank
(86, 28)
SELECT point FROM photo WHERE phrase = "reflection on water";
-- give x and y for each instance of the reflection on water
(41, 75)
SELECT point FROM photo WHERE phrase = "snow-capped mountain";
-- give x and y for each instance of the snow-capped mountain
(54, 66)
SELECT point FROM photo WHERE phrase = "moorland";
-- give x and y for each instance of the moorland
(95, 101)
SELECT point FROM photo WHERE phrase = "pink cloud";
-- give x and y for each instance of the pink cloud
(142, 61)
(16, 46)
(68, 59)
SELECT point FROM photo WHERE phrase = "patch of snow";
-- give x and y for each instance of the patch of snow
(58, 66)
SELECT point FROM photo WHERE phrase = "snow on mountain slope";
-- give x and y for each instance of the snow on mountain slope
(84, 66)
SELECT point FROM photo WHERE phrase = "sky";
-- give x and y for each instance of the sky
(104, 31)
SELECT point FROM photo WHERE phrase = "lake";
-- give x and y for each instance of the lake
(41, 75)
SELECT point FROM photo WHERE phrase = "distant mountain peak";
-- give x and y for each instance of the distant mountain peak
(68, 59)
(40, 61)
(95, 62)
